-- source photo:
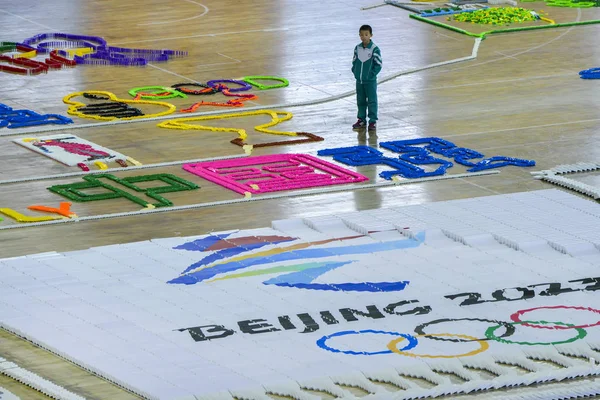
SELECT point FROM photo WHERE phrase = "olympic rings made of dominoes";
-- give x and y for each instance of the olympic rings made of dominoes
(409, 341)
(211, 87)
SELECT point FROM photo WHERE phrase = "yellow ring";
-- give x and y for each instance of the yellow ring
(483, 346)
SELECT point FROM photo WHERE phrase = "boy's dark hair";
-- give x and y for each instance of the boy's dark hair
(366, 28)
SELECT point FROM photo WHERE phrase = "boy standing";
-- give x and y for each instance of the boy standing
(366, 64)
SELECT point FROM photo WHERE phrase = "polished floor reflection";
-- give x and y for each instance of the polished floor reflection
(521, 97)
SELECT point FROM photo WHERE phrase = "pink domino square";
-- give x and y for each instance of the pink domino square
(273, 173)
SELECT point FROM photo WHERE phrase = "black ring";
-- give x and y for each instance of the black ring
(510, 329)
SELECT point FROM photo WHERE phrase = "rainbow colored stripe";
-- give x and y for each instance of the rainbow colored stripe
(228, 258)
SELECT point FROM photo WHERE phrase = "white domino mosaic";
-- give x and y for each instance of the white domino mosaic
(347, 299)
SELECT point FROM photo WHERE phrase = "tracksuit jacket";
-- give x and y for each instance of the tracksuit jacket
(366, 64)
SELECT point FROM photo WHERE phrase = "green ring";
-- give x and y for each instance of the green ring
(489, 333)
(159, 89)
(252, 81)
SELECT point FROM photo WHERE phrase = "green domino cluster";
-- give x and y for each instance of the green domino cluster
(74, 191)
(496, 16)
(483, 35)
(570, 3)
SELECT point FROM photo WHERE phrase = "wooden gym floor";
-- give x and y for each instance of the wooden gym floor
(521, 97)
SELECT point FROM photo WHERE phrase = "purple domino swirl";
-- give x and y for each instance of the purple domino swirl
(125, 57)
(103, 54)
(103, 58)
(47, 47)
(87, 41)
(146, 51)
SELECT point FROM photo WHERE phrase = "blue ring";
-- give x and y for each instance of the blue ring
(412, 342)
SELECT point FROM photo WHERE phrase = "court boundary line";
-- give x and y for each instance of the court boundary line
(28, 20)
(206, 10)
(216, 34)
(322, 100)
(495, 82)
(525, 127)
(539, 46)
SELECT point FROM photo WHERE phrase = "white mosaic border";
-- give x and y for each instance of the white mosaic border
(35, 382)
(553, 176)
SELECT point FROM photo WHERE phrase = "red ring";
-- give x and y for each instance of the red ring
(516, 317)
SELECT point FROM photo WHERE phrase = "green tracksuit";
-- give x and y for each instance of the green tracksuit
(366, 64)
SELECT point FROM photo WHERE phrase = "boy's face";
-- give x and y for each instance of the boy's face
(365, 37)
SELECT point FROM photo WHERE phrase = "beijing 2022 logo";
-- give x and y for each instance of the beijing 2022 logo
(230, 255)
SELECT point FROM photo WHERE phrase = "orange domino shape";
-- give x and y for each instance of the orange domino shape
(64, 209)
